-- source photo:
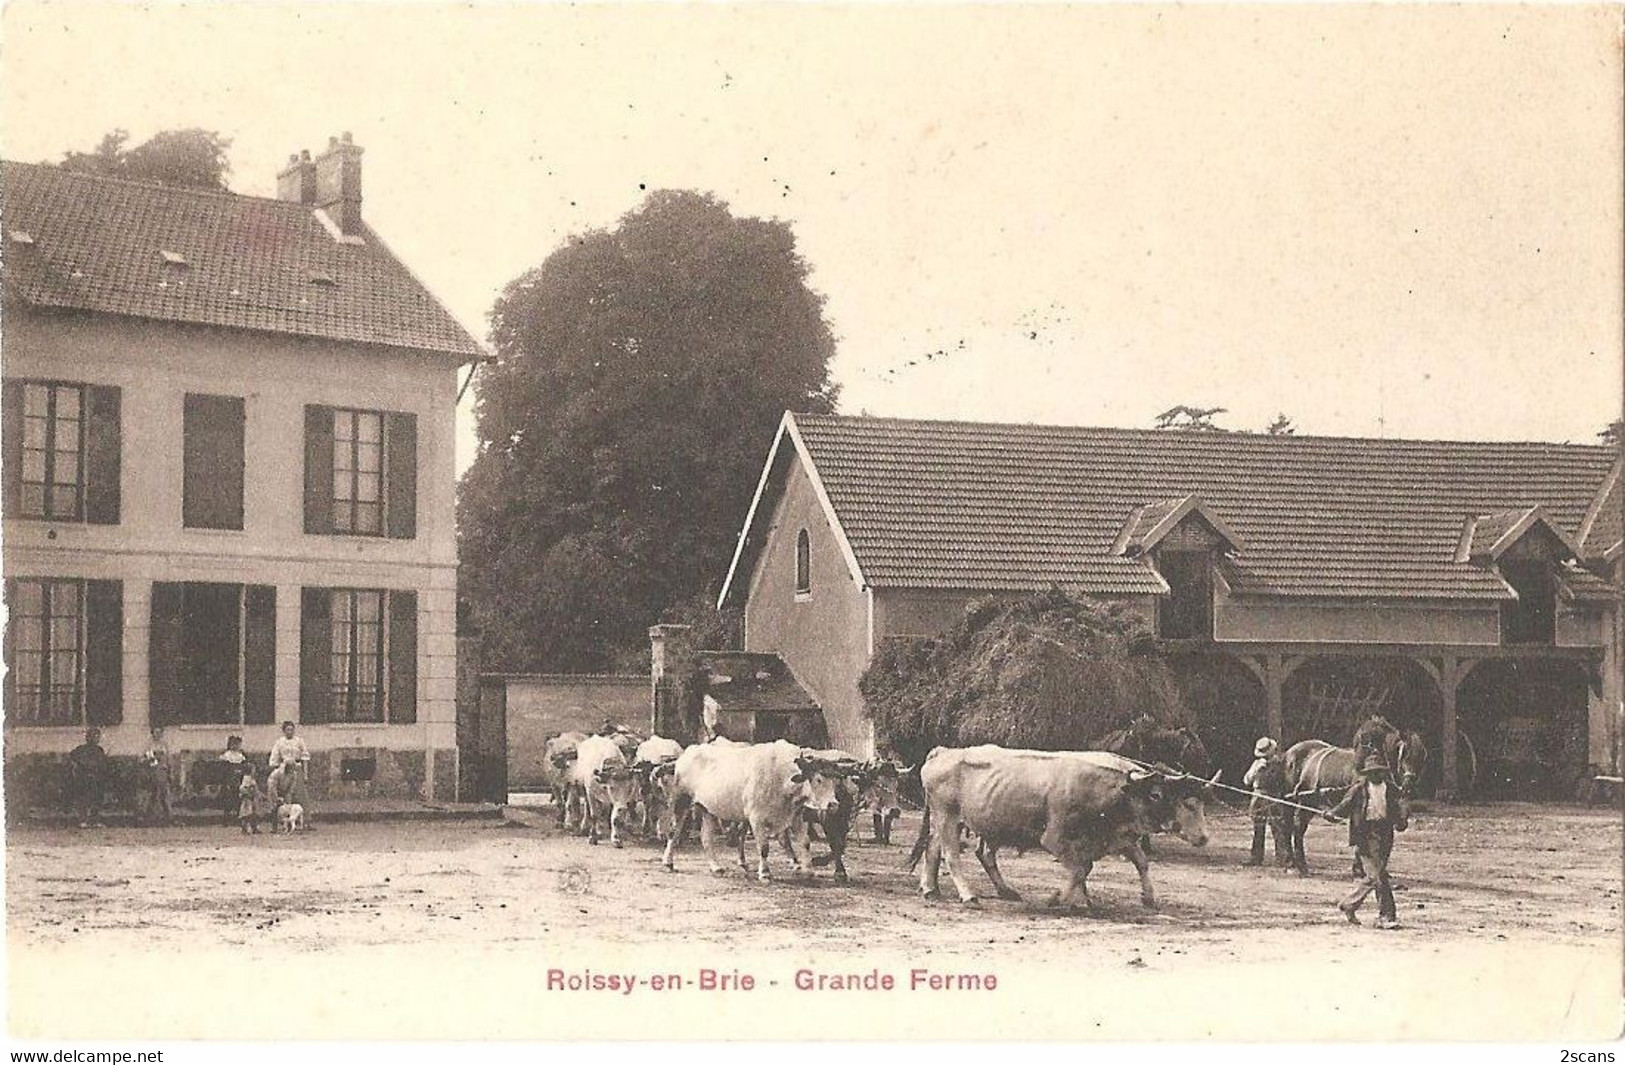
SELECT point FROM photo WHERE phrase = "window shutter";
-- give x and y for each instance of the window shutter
(403, 658)
(10, 694)
(212, 460)
(259, 655)
(315, 655)
(318, 469)
(103, 447)
(104, 652)
(401, 448)
(11, 430)
(165, 654)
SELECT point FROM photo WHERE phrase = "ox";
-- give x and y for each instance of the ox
(558, 752)
(653, 763)
(1078, 806)
(879, 783)
(764, 785)
(608, 783)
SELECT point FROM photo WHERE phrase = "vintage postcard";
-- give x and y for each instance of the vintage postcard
(868, 521)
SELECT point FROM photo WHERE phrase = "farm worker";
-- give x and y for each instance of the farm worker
(1375, 812)
(87, 778)
(1267, 784)
(155, 768)
(289, 756)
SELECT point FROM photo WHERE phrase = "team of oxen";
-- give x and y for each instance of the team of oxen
(1079, 806)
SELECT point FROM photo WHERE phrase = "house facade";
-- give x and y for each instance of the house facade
(229, 478)
(1468, 590)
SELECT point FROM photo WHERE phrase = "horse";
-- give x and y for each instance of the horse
(1320, 773)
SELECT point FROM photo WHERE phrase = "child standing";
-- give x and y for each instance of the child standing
(248, 804)
(234, 764)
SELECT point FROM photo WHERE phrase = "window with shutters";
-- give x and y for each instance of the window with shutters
(53, 451)
(212, 654)
(358, 655)
(358, 472)
(212, 460)
(46, 638)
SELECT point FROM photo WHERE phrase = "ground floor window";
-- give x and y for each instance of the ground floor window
(48, 641)
(212, 653)
(358, 655)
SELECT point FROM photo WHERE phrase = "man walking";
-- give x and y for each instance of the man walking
(1375, 812)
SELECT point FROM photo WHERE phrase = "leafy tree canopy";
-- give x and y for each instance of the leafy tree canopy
(1049, 671)
(1281, 426)
(1185, 417)
(192, 158)
(642, 372)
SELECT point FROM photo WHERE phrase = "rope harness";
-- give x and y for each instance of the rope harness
(1250, 794)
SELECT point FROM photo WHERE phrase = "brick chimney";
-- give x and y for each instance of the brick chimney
(297, 184)
(338, 184)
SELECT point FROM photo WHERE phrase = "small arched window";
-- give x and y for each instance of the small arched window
(803, 564)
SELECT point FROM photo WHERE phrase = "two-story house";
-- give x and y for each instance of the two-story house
(228, 473)
(1465, 589)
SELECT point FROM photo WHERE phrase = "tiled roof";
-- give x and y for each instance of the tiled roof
(754, 681)
(89, 243)
(1013, 507)
(1147, 525)
(1607, 526)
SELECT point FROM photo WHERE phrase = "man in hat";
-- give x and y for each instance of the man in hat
(1375, 811)
(1267, 777)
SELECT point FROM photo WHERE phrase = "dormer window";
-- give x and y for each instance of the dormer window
(1182, 536)
(803, 564)
(1186, 612)
(1525, 547)
(1532, 617)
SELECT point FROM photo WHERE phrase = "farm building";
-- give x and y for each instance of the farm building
(1465, 589)
(228, 481)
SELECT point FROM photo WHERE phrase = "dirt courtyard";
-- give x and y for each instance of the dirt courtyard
(1518, 903)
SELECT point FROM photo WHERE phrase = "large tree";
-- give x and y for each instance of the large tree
(193, 158)
(641, 373)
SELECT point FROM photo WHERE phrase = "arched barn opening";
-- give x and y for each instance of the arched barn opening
(1526, 720)
(1328, 698)
(1227, 703)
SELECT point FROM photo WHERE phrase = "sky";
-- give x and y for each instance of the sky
(1398, 221)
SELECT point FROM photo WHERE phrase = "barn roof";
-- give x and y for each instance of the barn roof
(991, 507)
(88, 243)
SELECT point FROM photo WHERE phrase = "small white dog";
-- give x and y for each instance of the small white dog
(290, 817)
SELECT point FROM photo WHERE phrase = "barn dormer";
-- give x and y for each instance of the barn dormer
(1181, 538)
(1528, 551)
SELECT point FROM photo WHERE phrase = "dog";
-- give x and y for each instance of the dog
(290, 817)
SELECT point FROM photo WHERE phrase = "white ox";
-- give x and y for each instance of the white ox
(653, 762)
(1078, 806)
(602, 775)
(763, 785)
(558, 753)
